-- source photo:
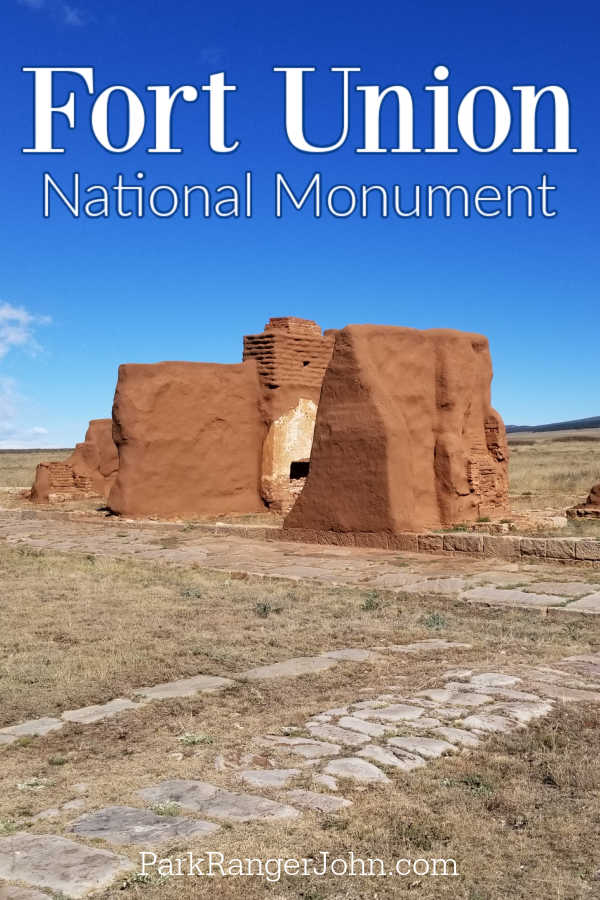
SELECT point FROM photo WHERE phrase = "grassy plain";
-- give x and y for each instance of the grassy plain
(519, 815)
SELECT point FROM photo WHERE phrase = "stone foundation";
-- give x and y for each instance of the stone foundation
(507, 547)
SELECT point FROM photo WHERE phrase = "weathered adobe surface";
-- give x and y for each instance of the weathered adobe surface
(292, 355)
(405, 436)
(190, 439)
(590, 508)
(90, 471)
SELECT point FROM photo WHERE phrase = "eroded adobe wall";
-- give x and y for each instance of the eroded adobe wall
(292, 355)
(589, 509)
(286, 455)
(190, 438)
(405, 436)
(89, 472)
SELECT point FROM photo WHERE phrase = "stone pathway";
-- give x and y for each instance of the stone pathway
(317, 768)
(539, 584)
(368, 741)
(187, 687)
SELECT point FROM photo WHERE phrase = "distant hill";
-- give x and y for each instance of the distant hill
(593, 422)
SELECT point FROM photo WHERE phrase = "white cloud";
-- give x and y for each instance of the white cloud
(71, 15)
(8, 399)
(14, 435)
(17, 329)
(64, 12)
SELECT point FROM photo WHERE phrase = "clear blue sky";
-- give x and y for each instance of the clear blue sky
(78, 297)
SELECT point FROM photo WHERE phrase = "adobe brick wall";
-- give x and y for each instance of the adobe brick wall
(292, 355)
(90, 471)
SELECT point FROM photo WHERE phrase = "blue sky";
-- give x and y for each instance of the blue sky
(78, 297)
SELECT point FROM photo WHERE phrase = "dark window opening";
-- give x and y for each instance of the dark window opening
(306, 362)
(299, 469)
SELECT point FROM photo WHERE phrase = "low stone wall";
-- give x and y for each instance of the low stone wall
(572, 551)
(507, 547)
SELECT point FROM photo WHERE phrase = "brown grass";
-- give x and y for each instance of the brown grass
(519, 816)
(553, 469)
(17, 467)
(79, 629)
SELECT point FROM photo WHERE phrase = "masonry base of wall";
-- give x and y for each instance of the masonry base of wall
(582, 551)
(569, 551)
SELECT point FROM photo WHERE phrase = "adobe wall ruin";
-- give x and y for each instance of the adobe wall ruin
(88, 472)
(405, 436)
(371, 429)
(292, 355)
(589, 509)
(190, 438)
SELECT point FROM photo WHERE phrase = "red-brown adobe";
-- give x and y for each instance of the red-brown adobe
(189, 437)
(405, 436)
(89, 471)
(591, 507)
(292, 355)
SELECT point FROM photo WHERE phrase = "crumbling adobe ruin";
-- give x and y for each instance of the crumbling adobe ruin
(404, 434)
(292, 355)
(190, 437)
(589, 509)
(89, 472)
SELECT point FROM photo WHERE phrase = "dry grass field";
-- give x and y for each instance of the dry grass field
(519, 815)
(548, 470)
(80, 629)
(554, 469)
(17, 467)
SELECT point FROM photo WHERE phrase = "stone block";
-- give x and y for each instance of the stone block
(215, 802)
(407, 542)
(374, 539)
(65, 867)
(536, 547)
(587, 549)
(464, 543)
(501, 547)
(430, 543)
(560, 548)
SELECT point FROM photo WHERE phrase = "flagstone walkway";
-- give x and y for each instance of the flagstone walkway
(318, 768)
(539, 585)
